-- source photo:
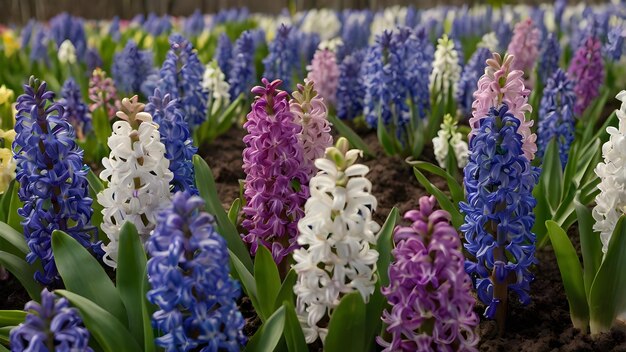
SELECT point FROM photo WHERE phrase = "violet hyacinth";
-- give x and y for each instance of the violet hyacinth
(282, 59)
(131, 67)
(587, 72)
(429, 290)
(76, 111)
(50, 326)
(350, 88)
(499, 213)
(52, 177)
(190, 283)
(325, 73)
(242, 73)
(102, 93)
(525, 47)
(272, 161)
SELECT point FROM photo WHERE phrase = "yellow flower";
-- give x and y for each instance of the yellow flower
(6, 95)
(7, 168)
(11, 45)
(8, 136)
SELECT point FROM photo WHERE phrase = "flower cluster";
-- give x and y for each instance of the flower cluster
(194, 24)
(498, 213)
(190, 283)
(587, 72)
(7, 163)
(272, 160)
(611, 201)
(283, 58)
(549, 57)
(449, 137)
(137, 174)
(500, 84)
(310, 112)
(76, 112)
(336, 236)
(350, 88)
(614, 46)
(52, 177)
(214, 83)
(469, 79)
(67, 53)
(131, 68)
(325, 73)
(50, 326)
(556, 115)
(525, 46)
(355, 31)
(242, 72)
(102, 93)
(489, 41)
(446, 69)
(429, 290)
(65, 27)
(324, 22)
(224, 53)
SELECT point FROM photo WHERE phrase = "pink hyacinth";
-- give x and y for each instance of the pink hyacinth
(502, 84)
(587, 71)
(324, 71)
(102, 93)
(525, 47)
(429, 290)
(272, 161)
(311, 113)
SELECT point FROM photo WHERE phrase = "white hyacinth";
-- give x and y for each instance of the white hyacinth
(330, 44)
(449, 136)
(137, 173)
(446, 69)
(336, 235)
(489, 41)
(214, 81)
(389, 19)
(611, 202)
(325, 22)
(67, 52)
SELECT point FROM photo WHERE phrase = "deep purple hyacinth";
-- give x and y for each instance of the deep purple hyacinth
(52, 177)
(50, 326)
(282, 60)
(429, 290)
(469, 79)
(272, 161)
(587, 72)
(190, 283)
(76, 111)
(499, 212)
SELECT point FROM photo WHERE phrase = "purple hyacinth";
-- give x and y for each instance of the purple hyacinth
(549, 57)
(190, 283)
(350, 89)
(272, 161)
(103, 94)
(587, 72)
(429, 290)
(52, 177)
(499, 213)
(224, 54)
(242, 73)
(50, 326)
(282, 60)
(131, 67)
(469, 79)
(76, 111)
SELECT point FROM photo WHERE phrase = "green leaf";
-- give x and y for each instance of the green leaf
(12, 317)
(444, 201)
(23, 272)
(571, 273)
(130, 279)
(384, 245)
(551, 178)
(383, 137)
(6, 202)
(95, 187)
(246, 279)
(285, 294)
(590, 245)
(268, 335)
(347, 325)
(208, 191)
(14, 219)
(3, 349)
(373, 311)
(12, 241)
(606, 298)
(234, 210)
(352, 137)
(227, 118)
(105, 328)
(456, 191)
(267, 280)
(293, 331)
(83, 275)
(4, 334)
(451, 162)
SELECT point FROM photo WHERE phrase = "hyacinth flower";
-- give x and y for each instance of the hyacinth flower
(131, 67)
(194, 25)
(175, 135)
(556, 115)
(137, 174)
(67, 53)
(93, 59)
(190, 283)
(498, 213)
(224, 53)
(429, 290)
(350, 93)
(181, 75)
(501, 84)
(587, 72)
(272, 160)
(311, 113)
(325, 72)
(50, 326)
(76, 111)
(489, 41)
(52, 177)
(611, 201)
(525, 47)
(614, 47)
(336, 234)
(549, 57)
(102, 93)
(466, 85)
(242, 72)
(39, 47)
(283, 59)
(215, 84)
(448, 138)
(65, 27)
(446, 69)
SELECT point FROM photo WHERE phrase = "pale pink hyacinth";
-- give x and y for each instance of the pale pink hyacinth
(501, 84)
(525, 47)
(324, 71)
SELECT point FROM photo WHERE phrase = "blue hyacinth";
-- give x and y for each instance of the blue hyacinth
(27, 33)
(194, 25)
(180, 77)
(65, 27)
(224, 54)
(308, 43)
(355, 32)
(377, 78)
(191, 286)
(614, 47)
(114, 29)
(175, 135)
(469, 79)
(93, 59)
(556, 119)
(549, 57)
(39, 47)
(282, 60)
(76, 111)
(242, 73)
(233, 14)
(504, 33)
(156, 25)
(52, 177)
(350, 88)
(131, 67)
(498, 212)
(50, 326)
